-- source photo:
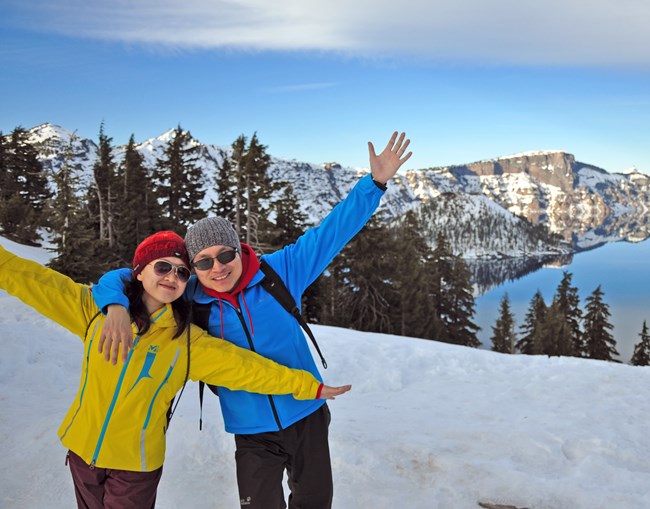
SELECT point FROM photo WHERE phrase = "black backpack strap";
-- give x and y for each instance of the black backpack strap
(273, 284)
(200, 318)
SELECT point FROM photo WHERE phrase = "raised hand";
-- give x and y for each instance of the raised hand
(328, 392)
(385, 165)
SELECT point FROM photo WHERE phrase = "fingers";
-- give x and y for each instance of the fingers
(126, 346)
(408, 156)
(111, 348)
(115, 350)
(403, 148)
(107, 348)
(399, 142)
(331, 392)
(391, 142)
(397, 146)
(100, 346)
(371, 149)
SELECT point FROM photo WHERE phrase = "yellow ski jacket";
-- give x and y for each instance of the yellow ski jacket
(118, 418)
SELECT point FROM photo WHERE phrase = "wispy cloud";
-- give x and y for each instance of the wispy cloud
(301, 87)
(510, 32)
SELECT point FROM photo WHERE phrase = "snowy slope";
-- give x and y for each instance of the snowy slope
(426, 425)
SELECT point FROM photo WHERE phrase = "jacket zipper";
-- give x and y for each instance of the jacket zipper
(83, 388)
(143, 458)
(252, 347)
(111, 407)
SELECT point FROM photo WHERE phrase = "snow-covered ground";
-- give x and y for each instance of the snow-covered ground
(427, 425)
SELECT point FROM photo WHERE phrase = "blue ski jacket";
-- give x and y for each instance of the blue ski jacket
(267, 328)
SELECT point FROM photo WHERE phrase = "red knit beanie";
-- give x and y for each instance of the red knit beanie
(159, 245)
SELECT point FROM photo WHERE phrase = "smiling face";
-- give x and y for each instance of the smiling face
(161, 289)
(221, 277)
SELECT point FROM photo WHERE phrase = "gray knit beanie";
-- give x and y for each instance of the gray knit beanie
(210, 231)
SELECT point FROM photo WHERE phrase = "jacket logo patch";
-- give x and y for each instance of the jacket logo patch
(148, 362)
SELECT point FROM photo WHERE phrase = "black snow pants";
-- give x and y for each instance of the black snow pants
(302, 450)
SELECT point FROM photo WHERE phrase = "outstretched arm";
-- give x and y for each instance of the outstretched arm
(222, 363)
(299, 264)
(385, 165)
(52, 294)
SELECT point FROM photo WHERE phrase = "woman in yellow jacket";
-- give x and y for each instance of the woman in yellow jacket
(115, 427)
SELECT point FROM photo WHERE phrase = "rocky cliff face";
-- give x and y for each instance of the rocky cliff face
(571, 197)
(551, 168)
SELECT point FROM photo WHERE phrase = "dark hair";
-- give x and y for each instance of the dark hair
(134, 291)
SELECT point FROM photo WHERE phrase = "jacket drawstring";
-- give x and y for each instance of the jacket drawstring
(221, 317)
(248, 313)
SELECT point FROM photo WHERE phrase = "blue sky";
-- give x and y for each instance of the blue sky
(467, 80)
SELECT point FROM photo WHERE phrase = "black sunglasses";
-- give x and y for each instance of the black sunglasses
(223, 258)
(162, 268)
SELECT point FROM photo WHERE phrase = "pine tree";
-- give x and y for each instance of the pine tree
(179, 182)
(257, 190)
(25, 192)
(462, 330)
(104, 189)
(503, 332)
(358, 290)
(5, 181)
(413, 312)
(290, 221)
(238, 151)
(532, 339)
(454, 301)
(73, 230)
(599, 342)
(8, 184)
(554, 331)
(569, 342)
(138, 213)
(641, 355)
(441, 280)
(225, 184)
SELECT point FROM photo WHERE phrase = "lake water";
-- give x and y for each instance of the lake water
(622, 270)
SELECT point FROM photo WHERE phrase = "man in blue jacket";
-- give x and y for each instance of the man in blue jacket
(272, 433)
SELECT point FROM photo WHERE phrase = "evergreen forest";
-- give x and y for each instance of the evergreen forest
(387, 279)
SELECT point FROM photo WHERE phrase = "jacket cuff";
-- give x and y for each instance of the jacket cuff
(320, 389)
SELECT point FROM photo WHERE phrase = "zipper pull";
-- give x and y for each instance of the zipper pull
(92, 465)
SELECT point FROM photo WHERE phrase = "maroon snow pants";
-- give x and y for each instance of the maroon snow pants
(105, 488)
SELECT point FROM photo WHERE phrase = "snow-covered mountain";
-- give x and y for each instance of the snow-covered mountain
(584, 204)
